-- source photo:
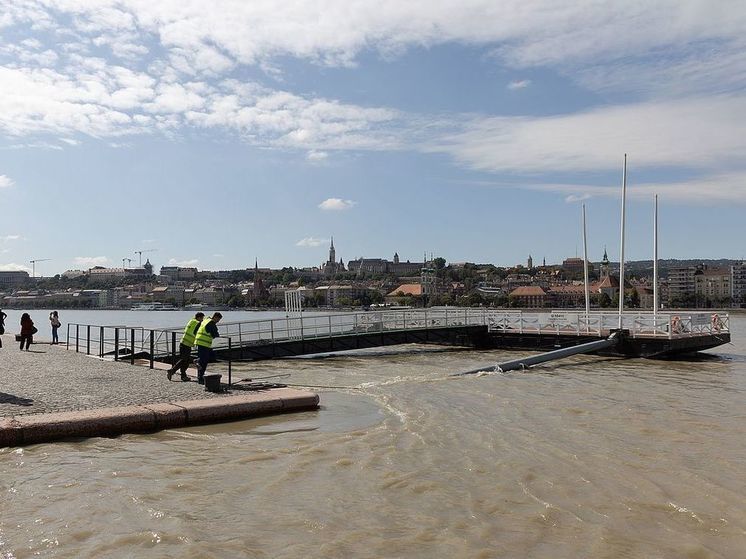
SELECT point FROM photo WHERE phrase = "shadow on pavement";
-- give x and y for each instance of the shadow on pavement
(15, 400)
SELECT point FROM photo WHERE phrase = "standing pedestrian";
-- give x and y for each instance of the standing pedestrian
(185, 347)
(3, 316)
(206, 333)
(54, 320)
(27, 330)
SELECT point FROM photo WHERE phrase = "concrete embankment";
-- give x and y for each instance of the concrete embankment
(50, 393)
(38, 428)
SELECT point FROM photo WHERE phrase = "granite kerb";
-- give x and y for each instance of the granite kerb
(110, 422)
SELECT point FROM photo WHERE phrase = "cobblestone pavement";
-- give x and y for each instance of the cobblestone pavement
(51, 379)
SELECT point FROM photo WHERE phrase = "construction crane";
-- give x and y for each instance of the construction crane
(141, 251)
(129, 262)
(33, 265)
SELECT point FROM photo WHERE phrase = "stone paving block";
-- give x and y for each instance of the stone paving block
(11, 433)
(168, 416)
(104, 422)
(231, 408)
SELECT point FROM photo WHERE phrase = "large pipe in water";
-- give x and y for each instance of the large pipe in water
(525, 362)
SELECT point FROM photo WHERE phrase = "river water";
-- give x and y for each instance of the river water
(587, 457)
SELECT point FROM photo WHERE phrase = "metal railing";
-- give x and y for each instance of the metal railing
(132, 343)
(275, 330)
(661, 325)
(127, 342)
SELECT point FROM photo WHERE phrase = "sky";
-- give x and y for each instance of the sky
(213, 133)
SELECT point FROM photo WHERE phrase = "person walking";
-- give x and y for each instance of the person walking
(3, 316)
(185, 347)
(27, 330)
(54, 320)
(206, 333)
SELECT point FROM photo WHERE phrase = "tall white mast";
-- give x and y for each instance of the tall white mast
(655, 259)
(621, 250)
(585, 272)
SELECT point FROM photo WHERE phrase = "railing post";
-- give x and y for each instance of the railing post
(152, 348)
(77, 338)
(101, 341)
(230, 362)
(132, 346)
(272, 331)
(116, 344)
(88, 340)
(173, 346)
(330, 326)
(67, 341)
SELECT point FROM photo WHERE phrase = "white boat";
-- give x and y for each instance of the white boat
(153, 307)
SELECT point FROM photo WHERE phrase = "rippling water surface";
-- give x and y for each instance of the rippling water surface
(588, 457)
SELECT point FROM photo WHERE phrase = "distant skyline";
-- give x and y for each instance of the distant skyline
(221, 132)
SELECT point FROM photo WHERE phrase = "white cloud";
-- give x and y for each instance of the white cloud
(91, 261)
(183, 263)
(6, 181)
(7, 238)
(519, 84)
(572, 198)
(692, 132)
(336, 204)
(170, 66)
(709, 190)
(311, 242)
(335, 31)
(315, 156)
(12, 267)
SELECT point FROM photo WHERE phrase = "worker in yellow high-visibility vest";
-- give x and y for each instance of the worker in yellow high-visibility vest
(207, 331)
(185, 347)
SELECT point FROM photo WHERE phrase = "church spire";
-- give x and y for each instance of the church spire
(332, 253)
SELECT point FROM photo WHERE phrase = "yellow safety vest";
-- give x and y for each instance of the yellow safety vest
(190, 332)
(203, 337)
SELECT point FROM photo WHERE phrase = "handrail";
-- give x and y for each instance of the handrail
(162, 344)
(126, 342)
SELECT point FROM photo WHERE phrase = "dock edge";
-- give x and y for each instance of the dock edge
(30, 429)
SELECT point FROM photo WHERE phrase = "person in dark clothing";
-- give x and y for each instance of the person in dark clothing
(206, 333)
(3, 316)
(54, 320)
(27, 330)
(185, 347)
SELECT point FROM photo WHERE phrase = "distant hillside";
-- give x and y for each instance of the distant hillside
(645, 267)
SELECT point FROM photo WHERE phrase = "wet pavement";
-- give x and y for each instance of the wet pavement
(49, 378)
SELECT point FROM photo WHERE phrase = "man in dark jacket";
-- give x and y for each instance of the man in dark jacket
(206, 333)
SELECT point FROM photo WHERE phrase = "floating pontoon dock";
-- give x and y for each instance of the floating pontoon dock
(645, 334)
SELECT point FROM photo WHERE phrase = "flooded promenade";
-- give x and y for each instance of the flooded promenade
(590, 457)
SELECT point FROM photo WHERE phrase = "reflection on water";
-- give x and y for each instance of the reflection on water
(589, 457)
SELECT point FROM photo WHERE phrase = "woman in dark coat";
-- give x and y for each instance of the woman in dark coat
(27, 330)
(3, 316)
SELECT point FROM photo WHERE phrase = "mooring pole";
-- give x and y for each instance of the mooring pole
(621, 250)
(585, 274)
(655, 260)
